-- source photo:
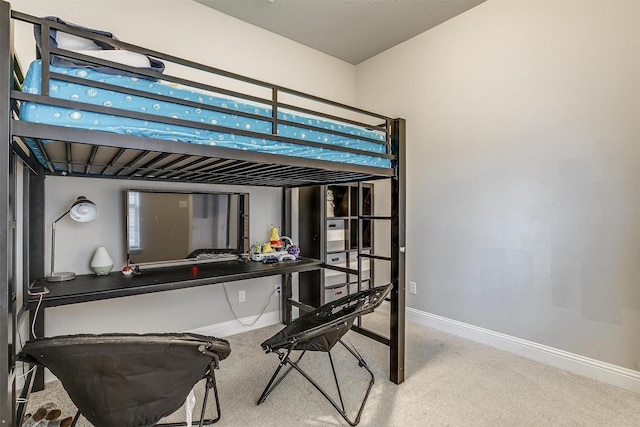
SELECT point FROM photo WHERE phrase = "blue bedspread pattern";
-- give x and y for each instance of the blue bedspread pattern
(47, 114)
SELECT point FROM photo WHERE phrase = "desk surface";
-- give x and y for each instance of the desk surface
(89, 287)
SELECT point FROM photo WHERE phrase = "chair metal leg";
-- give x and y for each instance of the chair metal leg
(284, 360)
(212, 380)
(75, 419)
(335, 377)
(210, 384)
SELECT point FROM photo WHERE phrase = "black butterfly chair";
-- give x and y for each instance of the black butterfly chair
(321, 330)
(130, 380)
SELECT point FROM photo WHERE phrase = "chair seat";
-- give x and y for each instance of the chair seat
(320, 329)
(125, 380)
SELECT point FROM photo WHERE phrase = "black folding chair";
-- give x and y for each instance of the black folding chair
(320, 330)
(130, 380)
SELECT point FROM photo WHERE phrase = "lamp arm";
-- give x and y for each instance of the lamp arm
(53, 239)
(61, 216)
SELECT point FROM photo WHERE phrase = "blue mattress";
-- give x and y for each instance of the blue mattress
(46, 114)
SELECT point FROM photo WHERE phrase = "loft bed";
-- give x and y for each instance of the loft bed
(104, 108)
(68, 116)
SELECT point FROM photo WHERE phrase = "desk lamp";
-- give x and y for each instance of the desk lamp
(82, 210)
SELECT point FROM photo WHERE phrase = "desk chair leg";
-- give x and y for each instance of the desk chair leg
(335, 377)
(75, 419)
(284, 359)
(212, 381)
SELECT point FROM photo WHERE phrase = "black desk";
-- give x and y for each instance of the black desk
(89, 287)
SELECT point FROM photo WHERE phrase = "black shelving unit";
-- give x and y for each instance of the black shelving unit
(334, 230)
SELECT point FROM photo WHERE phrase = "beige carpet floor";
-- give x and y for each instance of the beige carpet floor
(450, 381)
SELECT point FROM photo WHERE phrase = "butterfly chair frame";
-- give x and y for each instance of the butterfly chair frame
(320, 330)
(130, 380)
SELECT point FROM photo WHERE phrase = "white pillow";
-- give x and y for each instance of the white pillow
(124, 57)
(71, 42)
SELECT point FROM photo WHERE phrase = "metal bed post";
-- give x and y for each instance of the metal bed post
(286, 291)
(35, 240)
(398, 236)
(7, 386)
(24, 214)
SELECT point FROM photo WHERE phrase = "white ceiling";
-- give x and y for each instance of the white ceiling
(351, 30)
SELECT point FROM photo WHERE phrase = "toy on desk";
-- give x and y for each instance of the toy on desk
(129, 270)
(294, 250)
(275, 241)
(270, 259)
(282, 250)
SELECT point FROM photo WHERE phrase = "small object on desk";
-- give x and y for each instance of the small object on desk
(101, 263)
(287, 251)
(275, 241)
(217, 256)
(37, 290)
(294, 250)
(127, 270)
(271, 259)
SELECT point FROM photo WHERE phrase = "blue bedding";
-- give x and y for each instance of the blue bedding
(41, 113)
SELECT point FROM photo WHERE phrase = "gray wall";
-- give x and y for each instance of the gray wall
(523, 193)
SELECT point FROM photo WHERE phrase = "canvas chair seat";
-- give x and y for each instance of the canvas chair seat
(129, 380)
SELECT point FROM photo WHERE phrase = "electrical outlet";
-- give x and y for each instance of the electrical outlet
(241, 296)
(413, 288)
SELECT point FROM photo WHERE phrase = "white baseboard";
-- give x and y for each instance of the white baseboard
(590, 368)
(233, 327)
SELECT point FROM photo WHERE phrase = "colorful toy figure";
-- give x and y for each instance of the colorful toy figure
(274, 240)
(294, 250)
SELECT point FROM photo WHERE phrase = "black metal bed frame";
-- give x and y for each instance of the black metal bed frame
(78, 152)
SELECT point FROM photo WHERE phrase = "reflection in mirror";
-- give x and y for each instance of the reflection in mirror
(164, 226)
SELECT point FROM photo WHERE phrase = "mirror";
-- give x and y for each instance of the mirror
(170, 226)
